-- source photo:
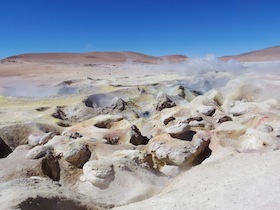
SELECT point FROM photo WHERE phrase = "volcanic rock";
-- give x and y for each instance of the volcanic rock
(118, 104)
(136, 137)
(100, 173)
(77, 155)
(168, 120)
(163, 101)
(50, 166)
(45, 138)
(239, 109)
(178, 130)
(172, 151)
(224, 119)
(227, 134)
(206, 110)
(37, 152)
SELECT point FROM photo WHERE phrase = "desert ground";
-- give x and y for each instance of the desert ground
(132, 131)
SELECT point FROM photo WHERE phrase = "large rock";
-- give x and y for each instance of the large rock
(50, 166)
(34, 140)
(37, 152)
(206, 110)
(77, 155)
(136, 137)
(118, 104)
(100, 173)
(164, 101)
(179, 130)
(45, 138)
(228, 132)
(141, 158)
(239, 109)
(172, 151)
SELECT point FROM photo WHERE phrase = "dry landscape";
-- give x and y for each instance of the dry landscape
(108, 130)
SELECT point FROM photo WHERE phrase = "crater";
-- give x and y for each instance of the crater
(5, 150)
(42, 109)
(56, 203)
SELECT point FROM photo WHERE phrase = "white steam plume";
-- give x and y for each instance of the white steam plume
(202, 65)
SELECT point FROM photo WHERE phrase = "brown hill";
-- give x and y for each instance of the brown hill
(173, 58)
(267, 54)
(93, 58)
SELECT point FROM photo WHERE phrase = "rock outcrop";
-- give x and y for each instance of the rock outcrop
(77, 155)
(100, 173)
(164, 101)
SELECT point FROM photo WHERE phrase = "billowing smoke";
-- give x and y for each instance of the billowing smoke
(268, 67)
(202, 65)
(202, 74)
(26, 89)
(30, 90)
(210, 63)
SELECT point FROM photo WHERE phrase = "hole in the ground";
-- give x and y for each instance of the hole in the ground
(42, 109)
(50, 167)
(56, 203)
(59, 113)
(113, 140)
(202, 156)
(145, 114)
(137, 138)
(75, 135)
(99, 100)
(185, 136)
(103, 125)
(5, 150)
(168, 120)
(193, 119)
(63, 124)
(264, 144)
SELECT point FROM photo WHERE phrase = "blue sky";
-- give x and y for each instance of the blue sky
(190, 27)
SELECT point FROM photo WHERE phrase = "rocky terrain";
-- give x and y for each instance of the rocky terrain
(191, 135)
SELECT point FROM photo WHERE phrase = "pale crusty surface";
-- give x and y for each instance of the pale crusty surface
(168, 172)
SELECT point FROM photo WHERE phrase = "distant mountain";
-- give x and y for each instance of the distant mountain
(173, 58)
(267, 54)
(94, 58)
